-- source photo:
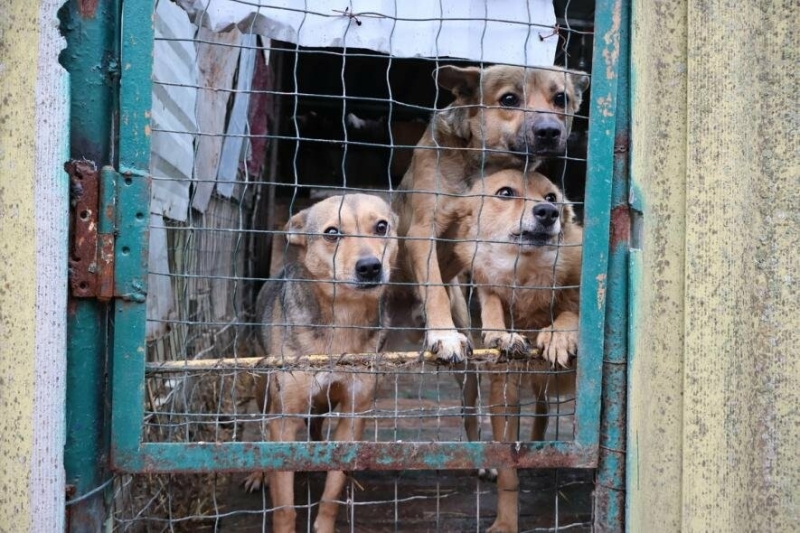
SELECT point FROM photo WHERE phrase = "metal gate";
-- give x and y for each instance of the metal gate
(124, 222)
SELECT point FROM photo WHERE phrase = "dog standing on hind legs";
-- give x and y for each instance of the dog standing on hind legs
(525, 250)
(328, 299)
(502, 117)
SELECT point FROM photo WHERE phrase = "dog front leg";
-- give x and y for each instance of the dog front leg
(348, 429)
(281, 483)
(542, 409)
(493, 323)
(258, 480)
(442, 338)
(468, 381)
(505, 409)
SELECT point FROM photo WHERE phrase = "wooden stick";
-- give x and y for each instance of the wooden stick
(480, 356)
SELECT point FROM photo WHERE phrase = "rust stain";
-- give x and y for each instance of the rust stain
(620, 226)
(84, 196)
(105, 268)
(87, 8)
(380, 456)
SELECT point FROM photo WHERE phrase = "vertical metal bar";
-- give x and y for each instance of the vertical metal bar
(90, 29)
(133, 210)
(609, 503)
(594, 282)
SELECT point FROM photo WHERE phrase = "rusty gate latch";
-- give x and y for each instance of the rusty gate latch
(92, 230)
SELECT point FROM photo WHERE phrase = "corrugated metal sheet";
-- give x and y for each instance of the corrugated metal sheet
(174, 101)
(234, 143)
(217, 67)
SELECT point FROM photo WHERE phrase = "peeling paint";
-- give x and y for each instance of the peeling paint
(601, 291)
(310, 456)
(611, 40)
(606, 105)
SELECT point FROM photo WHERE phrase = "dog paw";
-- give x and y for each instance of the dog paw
(325, 524)
(255, 482)
(557, 346)
(448, 346)
(501, 527)
(487, 474)
(511, 345)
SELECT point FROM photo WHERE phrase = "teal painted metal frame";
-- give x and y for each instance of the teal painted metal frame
(130, 454)
(90, 57)
(609, 515)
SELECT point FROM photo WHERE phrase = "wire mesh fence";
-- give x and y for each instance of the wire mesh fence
(297, 271)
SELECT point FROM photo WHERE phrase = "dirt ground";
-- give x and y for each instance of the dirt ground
(422, 501)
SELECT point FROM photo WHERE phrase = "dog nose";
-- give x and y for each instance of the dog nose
(547, 131)
(368, 269)
(546, 214)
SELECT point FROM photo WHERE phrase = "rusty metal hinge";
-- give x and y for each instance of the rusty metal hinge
(92, 230)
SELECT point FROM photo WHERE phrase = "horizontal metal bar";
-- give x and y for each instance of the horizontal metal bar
(344, 282)
(479, 357)
(154, 458)
(342, 142)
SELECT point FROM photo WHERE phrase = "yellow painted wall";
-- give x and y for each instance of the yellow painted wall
(715, 376)
(33, 229)
(18, 23)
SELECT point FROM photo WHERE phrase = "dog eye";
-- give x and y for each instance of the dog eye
(509, 100)
(506, 192)
(331, 234)
(381, 227)
(560, 99)
(551, 197)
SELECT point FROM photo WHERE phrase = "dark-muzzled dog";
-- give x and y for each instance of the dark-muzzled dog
(329, 299)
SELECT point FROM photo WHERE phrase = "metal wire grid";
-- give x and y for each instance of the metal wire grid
(214, 276)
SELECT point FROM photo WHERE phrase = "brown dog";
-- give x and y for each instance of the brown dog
(502, 117)
(524, 249)
(329, 300)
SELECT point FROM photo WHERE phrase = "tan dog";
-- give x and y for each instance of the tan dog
(525, 253)
(330, 300)
(502, 117)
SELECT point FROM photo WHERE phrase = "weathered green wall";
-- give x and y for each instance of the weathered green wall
(714, 433)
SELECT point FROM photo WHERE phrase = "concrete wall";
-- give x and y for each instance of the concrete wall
(33, 259)
(714, 436)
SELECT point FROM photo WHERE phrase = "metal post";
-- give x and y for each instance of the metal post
(609, 510)
(91, 58)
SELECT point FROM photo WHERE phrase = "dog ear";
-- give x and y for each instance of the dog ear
(462, 82)
(296, 227)
(580, 80)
